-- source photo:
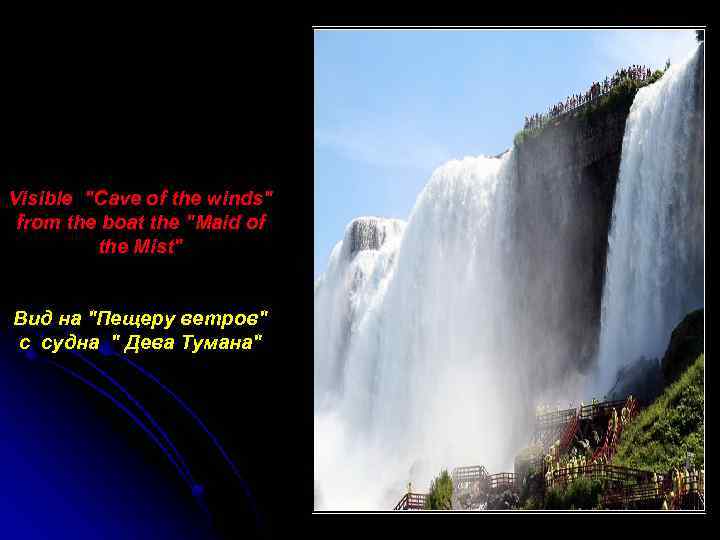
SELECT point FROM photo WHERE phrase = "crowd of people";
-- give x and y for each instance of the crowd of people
(685, 481)
(568, 467)
(598, 88)
(582, 460)
(579, 460)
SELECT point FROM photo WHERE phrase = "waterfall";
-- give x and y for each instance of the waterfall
(353, 282)
(434, 339)
(655, 263)
(420, 362)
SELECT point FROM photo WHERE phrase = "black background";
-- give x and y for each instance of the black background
(198, 105)
(203, 107)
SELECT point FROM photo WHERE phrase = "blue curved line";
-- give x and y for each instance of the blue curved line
(143, 410)
(185, 406)
(127, 411)
(200, 423)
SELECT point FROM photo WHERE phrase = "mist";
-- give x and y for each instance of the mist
(421, 344)
(436, 339)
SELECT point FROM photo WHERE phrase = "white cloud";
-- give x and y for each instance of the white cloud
(647, 47)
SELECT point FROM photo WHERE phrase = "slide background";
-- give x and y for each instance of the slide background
(198, 103)
(203, 107)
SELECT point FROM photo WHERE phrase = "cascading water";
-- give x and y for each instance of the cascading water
(654, 273)
(418, 363)
(353, 282)
(434, 339)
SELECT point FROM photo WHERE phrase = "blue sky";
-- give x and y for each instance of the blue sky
(391, 106)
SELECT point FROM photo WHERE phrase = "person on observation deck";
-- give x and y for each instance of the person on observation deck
(667, 500)
(656, 483)
(676, 480)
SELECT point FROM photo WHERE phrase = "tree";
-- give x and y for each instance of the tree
(700, 35)
(441, 490)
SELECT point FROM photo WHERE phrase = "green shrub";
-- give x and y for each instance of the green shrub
(581, 494)
(554, 499)
(531, 491)
(655, 76)
(662, 435)
(441, 490)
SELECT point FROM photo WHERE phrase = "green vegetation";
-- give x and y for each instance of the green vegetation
(657, 440)
(524, 133)
(531, 493)
(622, 94)
(660, 437)
(581, 494)
(441, 490)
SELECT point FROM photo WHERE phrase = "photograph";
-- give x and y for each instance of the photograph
(509, 269)
(354, 276)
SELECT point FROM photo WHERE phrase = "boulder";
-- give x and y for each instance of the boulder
(686, 344)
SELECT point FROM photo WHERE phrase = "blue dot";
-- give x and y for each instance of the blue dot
(198, 491)
(31, 355)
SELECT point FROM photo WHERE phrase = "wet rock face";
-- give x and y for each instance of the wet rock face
(647, 377)
(642, 378)
(365, 233)
(368, 233)
(686, 344)
(564, 193)
(572, 168)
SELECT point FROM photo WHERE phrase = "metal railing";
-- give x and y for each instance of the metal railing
(612, 436)
(569, 434)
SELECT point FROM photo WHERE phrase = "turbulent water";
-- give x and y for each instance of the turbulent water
(654, 273)
(425, 353)
(417, 356)
(353, 284)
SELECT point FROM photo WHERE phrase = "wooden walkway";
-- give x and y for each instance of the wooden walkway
(412, 501)
(559, 417)
(634, 488)
(464, 477)
(623, 487)
(610, 474)
(610, 443)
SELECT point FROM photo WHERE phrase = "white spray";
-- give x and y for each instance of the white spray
(655, 258)
(417, 357)
(424, 355)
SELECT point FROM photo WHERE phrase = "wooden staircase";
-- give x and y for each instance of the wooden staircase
(411, 501)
